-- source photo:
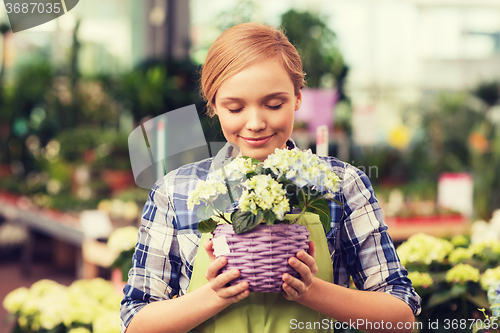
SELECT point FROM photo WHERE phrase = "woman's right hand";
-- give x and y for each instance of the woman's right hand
(218, 281)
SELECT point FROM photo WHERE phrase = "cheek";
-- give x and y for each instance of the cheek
(229, 125)
(284, 121)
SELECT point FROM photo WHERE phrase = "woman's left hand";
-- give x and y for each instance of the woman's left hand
(306, 266)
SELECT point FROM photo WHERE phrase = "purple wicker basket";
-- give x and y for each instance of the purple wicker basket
(262, 254)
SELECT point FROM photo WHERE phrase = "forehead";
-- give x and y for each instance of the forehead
(263, 77)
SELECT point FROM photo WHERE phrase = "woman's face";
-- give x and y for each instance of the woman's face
(256, 108)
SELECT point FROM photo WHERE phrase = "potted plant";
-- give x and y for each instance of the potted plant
(259, 236)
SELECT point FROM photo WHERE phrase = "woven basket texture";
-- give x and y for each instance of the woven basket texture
(262, 254)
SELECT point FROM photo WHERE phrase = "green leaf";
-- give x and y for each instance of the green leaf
(439, 298)
(245, 221)
(478, 300)
(269, 217)
(205, 212)
(321, 207)
(205, 226)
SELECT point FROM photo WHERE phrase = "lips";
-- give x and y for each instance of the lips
(257, 141)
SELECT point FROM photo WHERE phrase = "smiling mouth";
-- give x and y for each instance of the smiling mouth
(257, 141)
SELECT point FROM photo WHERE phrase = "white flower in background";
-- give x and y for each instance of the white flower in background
(53, 308)
(47, 304)
(418, 279)
(12, 234)
(123, 239)
(117, 208)
(53, 186)
(489, 276)
(462, 273)
(495, 221)
(15, 299)
(79, 330)
(460, 254)
(107, 322)
(478, 249)
(423, 248)
(482, 231)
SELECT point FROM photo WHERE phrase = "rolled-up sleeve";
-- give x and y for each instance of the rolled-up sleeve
(156, 262)
(367, 250)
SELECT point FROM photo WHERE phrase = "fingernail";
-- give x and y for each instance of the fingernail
(235, 272)
(292, 261)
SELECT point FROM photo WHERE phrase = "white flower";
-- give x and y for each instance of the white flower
(264, 193)
(303, 168)
(462, 273)
(422, 248)
(107, 322)
(123, 239)
(15, 299)
(489, 276)
(236, 169)
(206, 191)
(418, 279)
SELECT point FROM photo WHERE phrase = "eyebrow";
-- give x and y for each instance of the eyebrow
(269, 96)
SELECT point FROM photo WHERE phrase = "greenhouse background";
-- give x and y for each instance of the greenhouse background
(408, 90)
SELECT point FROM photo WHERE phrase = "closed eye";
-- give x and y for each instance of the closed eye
(235, 111)
(275, 107)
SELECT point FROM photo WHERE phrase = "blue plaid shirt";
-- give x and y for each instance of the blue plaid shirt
(359, 244)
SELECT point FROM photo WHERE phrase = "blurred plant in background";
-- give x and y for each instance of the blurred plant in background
(66, 135)
(453, 276)
(47, 306)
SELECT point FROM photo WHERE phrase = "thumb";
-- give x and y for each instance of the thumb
(208, 245)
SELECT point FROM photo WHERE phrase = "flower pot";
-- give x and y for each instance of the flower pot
(261, 255)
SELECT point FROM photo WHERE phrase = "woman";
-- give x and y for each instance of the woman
(252, 80)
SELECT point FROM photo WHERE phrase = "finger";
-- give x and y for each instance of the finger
(306, 271)
(214, 267)
(223, 279)
(239, 297)
(289, 292)
(308, 260)
(232, 291)
(312, 249)
(208, 245)
(295, 286)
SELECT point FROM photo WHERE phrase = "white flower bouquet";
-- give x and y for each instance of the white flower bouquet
(265, 191)
(263, 236)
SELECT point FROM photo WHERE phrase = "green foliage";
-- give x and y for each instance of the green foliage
(207, 225)
(109, 146)
(321, 207)
(157, 87)
(316, 44)
(246, 221)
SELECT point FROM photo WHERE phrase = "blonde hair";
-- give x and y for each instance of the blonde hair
(241, 46)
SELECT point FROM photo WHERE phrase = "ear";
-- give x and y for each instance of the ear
(298, 102)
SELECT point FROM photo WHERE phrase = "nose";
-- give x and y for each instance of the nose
(256, 120)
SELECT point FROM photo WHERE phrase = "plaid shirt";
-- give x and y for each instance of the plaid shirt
(168, 241)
